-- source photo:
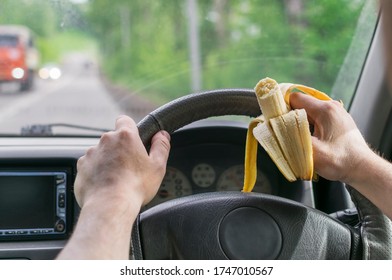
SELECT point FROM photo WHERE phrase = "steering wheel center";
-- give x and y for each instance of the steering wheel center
(263, 236)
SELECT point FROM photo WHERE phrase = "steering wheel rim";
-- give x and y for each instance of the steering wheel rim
(198, 106)
(373, 240)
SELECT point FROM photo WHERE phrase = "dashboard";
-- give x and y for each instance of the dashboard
(210, 159)
(203, 158)
(198, 169)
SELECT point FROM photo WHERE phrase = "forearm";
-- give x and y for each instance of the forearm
(373, 178)
(103, 231)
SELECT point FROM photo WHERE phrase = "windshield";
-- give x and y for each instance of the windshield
(95, 59)
(8, 41)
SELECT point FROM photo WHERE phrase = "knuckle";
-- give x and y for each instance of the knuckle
(329, 109)
(126, 136)
(330, 106)
(336, 106)
(125, 132)
(106, 137)
(80, 162)
(90, 151)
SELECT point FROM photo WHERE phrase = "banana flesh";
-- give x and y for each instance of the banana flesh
(270, 98)
(282, 132)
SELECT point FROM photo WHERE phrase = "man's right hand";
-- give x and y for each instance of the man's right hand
(338, 146)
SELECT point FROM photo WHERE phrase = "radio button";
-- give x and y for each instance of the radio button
(60, 179)
(9, 232)
(61, 199)
(59, 226)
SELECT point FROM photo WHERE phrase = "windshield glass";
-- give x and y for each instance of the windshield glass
(87, 61)
(8, 41)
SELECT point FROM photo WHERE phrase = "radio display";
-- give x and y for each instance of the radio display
(27, 202)
(32, 203)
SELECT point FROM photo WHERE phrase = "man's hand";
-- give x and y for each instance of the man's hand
(119, 167)
(341, 153)
(338, 146)
(115, 178)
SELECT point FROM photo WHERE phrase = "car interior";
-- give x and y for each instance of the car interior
(199, 211)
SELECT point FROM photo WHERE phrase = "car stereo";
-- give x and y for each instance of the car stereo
(33, 205)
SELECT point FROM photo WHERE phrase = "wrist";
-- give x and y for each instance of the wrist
(110, 201)
(101, 219)
(361, 167)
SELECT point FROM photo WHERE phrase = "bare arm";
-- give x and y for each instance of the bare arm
(115, 178)
(373, 178)
(341, 153)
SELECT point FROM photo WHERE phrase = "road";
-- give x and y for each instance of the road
(78, 97)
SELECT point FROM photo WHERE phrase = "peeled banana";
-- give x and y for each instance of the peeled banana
(284, 133)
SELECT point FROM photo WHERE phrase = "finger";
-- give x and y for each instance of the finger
(315, 108)
(125, 122)
(160, 147)
(303, 101)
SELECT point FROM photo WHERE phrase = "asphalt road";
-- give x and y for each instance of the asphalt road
(78, 97)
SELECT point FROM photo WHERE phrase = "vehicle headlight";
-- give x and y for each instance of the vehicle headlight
(54, 73)
(43, 73)
(17, 73)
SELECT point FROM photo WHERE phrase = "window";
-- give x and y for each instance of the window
(115, 57)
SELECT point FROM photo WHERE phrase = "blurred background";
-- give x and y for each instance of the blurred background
(140, 54)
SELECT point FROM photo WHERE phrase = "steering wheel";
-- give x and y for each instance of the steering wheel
(231, 225)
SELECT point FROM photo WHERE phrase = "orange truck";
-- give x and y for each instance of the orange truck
(18, 56)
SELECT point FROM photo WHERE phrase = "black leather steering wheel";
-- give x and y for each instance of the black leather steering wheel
(231, 225)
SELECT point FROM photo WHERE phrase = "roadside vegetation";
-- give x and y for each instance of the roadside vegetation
(145, 44)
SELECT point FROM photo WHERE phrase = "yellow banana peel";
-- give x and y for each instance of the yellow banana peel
(284, 133)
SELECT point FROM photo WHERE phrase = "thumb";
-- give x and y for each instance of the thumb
(160, 147)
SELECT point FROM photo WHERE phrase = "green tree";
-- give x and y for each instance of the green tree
(37, 15)
(144, 44)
